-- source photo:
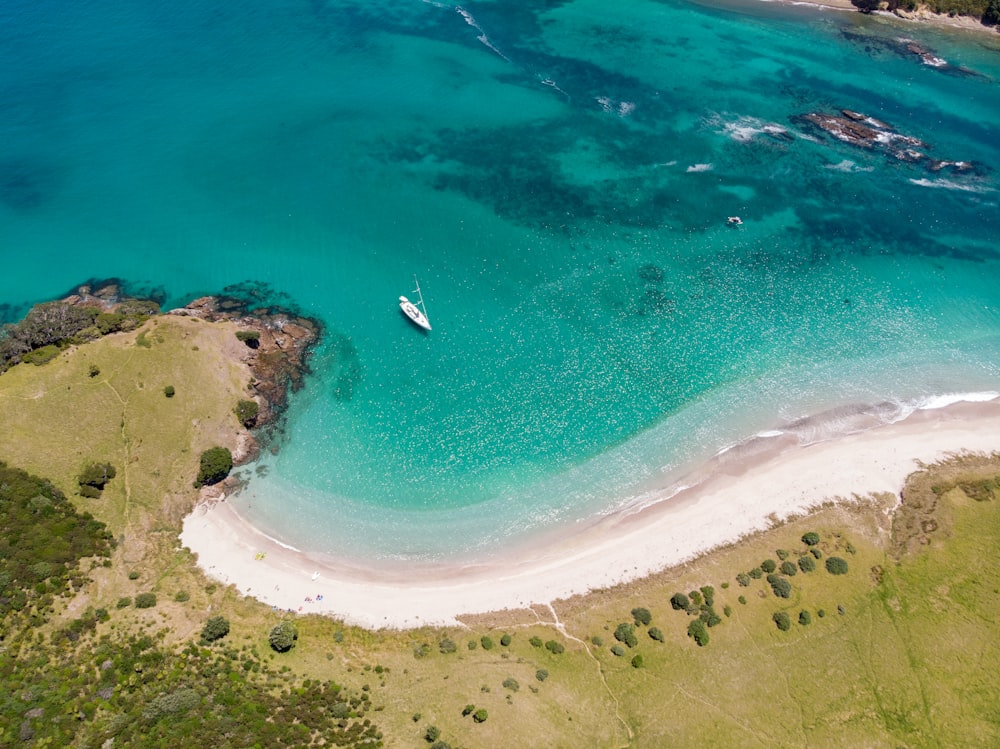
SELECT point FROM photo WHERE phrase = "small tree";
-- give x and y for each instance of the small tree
(246, 412)
(536, 641)
(806, 563)
(709, 592)
(486, 642)
(625, 633)
(250, 337)
(656, 634)
(780, 586)
(697, 631)
(637, 661)
(505, 639)
(555, 647)
(541, 674)
(836, 566)
(810, 538)
(642, 616)
(447, 646)
(618, 650)
(511, 684)
(782, 621)
(169, 391)
(95, 477)
(283, 636)
(804, 617)
(215, 628)
(743, 579)
(145, 600)
(468, 710)
(215, 465)
(789, 568)
(679, 602)
(769, 566)
(756, 573)
(480, 715)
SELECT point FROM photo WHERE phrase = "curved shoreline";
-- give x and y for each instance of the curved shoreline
(738, 497)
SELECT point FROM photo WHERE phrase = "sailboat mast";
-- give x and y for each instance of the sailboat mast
(420, 296)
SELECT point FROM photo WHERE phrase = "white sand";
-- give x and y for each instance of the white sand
(735, 500)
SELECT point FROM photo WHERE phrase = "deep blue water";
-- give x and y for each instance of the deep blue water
(557, 174)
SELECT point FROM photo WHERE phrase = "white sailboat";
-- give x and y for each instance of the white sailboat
(416, 312)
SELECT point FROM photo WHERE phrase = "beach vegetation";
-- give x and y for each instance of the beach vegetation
(446, 646)
(511, 684)
(214, 466)
(695, 597)
(480, 715)
(487, 642)
(247, 412)
(806, 563)
(656, 634)
(756, 573)
(789, 568)
(169, 391)
(618, 650)
(743, 579)
(816, 552)
(541, 674)
(804, 617)
(742, 600)
(555, 647)
(782, 554)
(433, 733)
(535, 641)
(625, 633)
(597, 641)
(468, 710)
(709, 594)
(215, 628)
(637, 661)
(679, 602)
(93, 478)
(249, 337)
(505, 639)
(769, 566)
(283, 636)
(836, 565)
(782, 621)
(642, 616)
(780, 586)
(810, 539)
(145, 600)
(696, 631)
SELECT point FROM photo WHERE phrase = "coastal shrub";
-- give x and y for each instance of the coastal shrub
(709, 593)
(440, 745)
(769, 566)
(505, 639)
(817, 554)
(806, 563)
(169, 391)
(215, 465)
(991, 16)
(696, 631)
(780, 586)
(535, 641)
(810, 538)
(145, 600)
(511, 684)
(727, 611)
(743, 579)
(215, 628)
(41, 356)
(555, 647)
(618, 650)
(642, 616)
(849, 548)
(840, 609)
(480, 715)
(247, 412)
(679, 602)
(656, 634)
(182, 596)
(709, 616)
(468, 710)
(472, 645)
(90, 492)
(541, 674)
(96, 476)
(93, 370)
(782, 621)
(283, 636)
(756, 573)
(821, 613)
(836, 566)
(486, 642)
(782, 554)
(637, 661)
(133, 575)
(597, 640)
(433, 733)
(789, 568)
(742, 599)
(695, 596)
(625, 633)
(124, 602)
(250, 337)
(446, 646)
(804, 617)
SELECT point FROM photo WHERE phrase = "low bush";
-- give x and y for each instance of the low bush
(555, 647)
(656, 634)
(250, 337)
(836, 566)
(769, 566)
(597, 640)
(756, 573)
(182, 596)
(41, 356)
(541, 674)
(468, 710)
(215, 628)
(480, 715)
(511, 684)
(709, 594)
(679, 602)
(789, 568)
(145, 600)
(283, 636)
(124, 602)
(618, 650)
(780, 586)
(637, 661)
(96, 475)
(169, 391)
(804, 617)
(743, 579)
(247, 412)
(782, 621)
(446, 646)
(486, 642)
(782, 554)
(696, 631)
(536, 641)
(625, 633)
(93, 370)
(505, 639)
(806, 563)
(642, 616)
(215, 464)
(817, 554)
(810, 538)
(695, 596)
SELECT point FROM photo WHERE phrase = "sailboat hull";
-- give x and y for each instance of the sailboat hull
(414, 314)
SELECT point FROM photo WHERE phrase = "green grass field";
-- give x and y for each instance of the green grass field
(903, 655)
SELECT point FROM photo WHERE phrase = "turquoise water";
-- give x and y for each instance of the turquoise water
(557, 174)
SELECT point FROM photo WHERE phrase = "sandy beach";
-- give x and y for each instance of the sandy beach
(735, 499)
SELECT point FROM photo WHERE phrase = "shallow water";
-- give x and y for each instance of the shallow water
(558, 177)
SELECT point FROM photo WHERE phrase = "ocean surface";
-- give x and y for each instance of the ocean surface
(558, 176)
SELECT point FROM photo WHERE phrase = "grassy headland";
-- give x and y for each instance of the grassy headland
(899, 651)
